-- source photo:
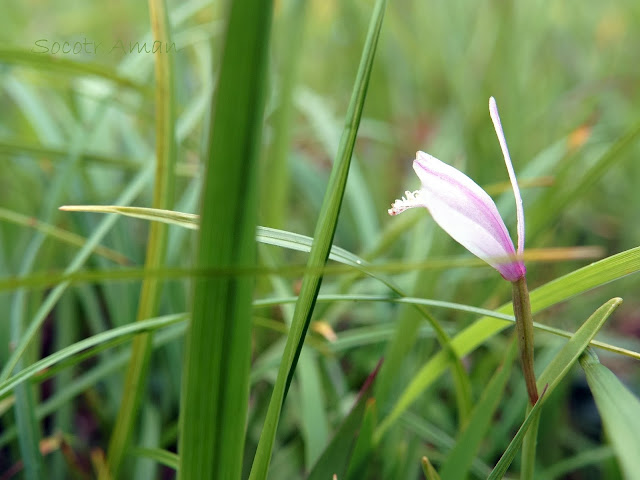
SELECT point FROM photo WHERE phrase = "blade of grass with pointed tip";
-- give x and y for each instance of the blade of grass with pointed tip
(459, 460)
(323, 238)
(429, 471)
(552, 375)
(619, 410)
(163, 192)
(215, 383)
(337, 455)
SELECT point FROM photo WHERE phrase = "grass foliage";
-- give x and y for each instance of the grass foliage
(225, 295)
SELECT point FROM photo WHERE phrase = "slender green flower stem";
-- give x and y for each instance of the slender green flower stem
(524, 330)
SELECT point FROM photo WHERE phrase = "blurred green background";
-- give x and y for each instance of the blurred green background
(78, 128)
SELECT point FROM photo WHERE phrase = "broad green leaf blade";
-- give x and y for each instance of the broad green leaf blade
(556, 291)
(323, 238)
(336, 457)
(163, 192)
(552, 375)
(215, 382)
(459, 460)
(620, 412)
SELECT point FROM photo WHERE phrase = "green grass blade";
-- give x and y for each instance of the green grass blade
(132, 190)
(323, 238)
(59, 234)
(113, 335)
(276, 169)
(363, 448)
(163, 457)
(620, 412)
(337, 455)
(429, 471)
(39, 60)
(552, 375)
(215, 386)
(459, 460)
(163, 193)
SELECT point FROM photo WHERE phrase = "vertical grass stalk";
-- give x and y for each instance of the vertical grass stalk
(163, 193)
(323, 238)
(215, 383)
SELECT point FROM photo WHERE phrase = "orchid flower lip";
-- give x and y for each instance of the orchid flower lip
(466, 212)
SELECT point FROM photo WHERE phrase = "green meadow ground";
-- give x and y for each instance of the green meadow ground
(86, 118)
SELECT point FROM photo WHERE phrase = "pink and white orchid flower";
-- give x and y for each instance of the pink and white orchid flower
(466, 212)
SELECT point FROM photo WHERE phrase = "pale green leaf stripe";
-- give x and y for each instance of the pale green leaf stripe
(553, 374)
(323, 238)
(620, 412)
(460, 458)
(113, 334)
(579, 281)
(215, 374)
(163, 193)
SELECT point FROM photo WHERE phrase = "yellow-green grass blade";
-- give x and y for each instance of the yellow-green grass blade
(430, 473)
(163, 193)
(549, 380)
(59, 234)
(619, 410)
(215, 382)
(556, 291)
(458, 462)
(323, 238)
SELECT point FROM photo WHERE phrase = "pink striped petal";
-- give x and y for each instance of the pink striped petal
(465, 211)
